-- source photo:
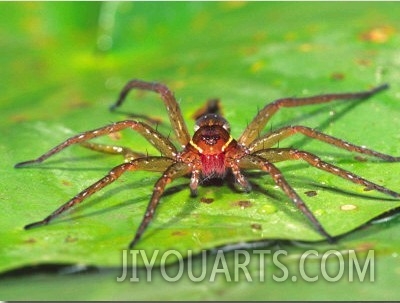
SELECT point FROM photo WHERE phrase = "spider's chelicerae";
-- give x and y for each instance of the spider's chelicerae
(212, 152)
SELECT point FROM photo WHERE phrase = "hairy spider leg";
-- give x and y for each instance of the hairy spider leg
(154, 137)
(252, 161)
(255, 127)
(194, 182)
(282, 154)
(126, 152)
(174, 112)
(148, 164)
(173, 171)
(276, 136)
(240, 179)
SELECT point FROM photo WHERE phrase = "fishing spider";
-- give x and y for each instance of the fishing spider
(212, 151)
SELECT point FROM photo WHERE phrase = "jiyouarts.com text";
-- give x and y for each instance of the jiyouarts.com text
(243, 265)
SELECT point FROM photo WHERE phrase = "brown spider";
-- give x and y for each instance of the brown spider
(212, 151)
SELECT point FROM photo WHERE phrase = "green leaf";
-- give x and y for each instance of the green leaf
(60, 74)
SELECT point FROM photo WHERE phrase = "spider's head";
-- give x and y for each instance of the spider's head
(212, 134)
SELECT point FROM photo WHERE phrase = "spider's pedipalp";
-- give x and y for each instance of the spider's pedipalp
(172, 106)
(240, 179)
(194, 182)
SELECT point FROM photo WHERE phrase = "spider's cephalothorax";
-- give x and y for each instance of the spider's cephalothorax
(211, 152)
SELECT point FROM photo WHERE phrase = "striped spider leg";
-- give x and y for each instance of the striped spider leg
(166, 163)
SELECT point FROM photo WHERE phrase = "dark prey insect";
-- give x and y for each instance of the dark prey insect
(212, 152)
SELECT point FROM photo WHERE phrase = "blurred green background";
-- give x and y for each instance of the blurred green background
(63, 64)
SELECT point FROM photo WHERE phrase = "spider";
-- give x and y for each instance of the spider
(212, 152)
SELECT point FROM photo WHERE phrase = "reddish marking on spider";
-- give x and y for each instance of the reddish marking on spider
(213, 165)
(212, 152)
(211, 140)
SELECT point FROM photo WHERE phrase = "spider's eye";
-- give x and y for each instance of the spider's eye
(210, 139)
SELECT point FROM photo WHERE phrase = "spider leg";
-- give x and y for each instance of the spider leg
(255, 127)
(274, 137)
(126, 152)
(253, 161)
(154, 137)
(173, 171)
(170, 102)
(148, 164)
(194, 182)
(281, 154)
(240, 178)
